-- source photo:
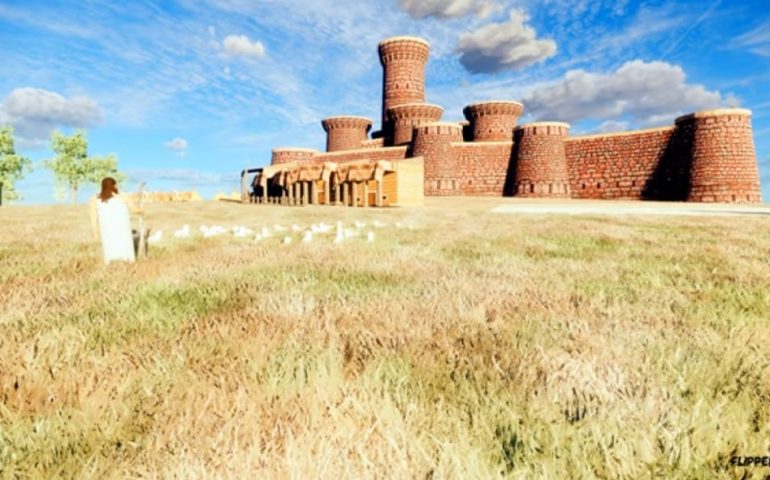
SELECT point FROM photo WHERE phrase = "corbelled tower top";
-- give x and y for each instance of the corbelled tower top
(403, 60)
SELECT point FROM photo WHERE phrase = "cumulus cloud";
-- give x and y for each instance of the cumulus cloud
(35, 112)
(503, 46)
(651, 93)
(241, 45)
(177, 144)
(443, 9)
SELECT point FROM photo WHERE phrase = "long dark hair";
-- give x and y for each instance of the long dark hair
(109, 188)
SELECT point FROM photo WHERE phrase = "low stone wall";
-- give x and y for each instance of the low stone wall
(163, 197)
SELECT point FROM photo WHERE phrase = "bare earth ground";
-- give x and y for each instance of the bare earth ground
(476, 344)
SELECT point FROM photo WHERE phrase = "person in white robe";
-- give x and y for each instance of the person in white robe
(111, 223)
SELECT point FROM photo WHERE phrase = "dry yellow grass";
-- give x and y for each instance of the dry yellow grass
(477, 345)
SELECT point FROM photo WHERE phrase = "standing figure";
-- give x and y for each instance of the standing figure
(111, 223)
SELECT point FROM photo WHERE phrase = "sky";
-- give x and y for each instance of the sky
(187, 93)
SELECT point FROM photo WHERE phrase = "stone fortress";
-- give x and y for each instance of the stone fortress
(706, 156)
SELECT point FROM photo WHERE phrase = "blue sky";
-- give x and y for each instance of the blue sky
(186, 93)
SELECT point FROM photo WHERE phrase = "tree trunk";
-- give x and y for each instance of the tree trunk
(1, 194)
(74, 194)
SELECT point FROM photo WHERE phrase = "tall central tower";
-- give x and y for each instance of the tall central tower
(403, 61)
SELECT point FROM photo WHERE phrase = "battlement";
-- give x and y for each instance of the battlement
(440, 128)
(419, 111)
(403, 48)
(730, 113)
(544, 128)
(405, 117)
(493, 120)
(345, 132)
(493, 107)
(346, 121)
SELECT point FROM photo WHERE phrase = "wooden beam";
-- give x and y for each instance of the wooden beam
(244, 187)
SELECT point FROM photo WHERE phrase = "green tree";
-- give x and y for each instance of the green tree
(73, 167)
(12, 167)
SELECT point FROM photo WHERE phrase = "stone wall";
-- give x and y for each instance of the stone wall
(484, 168)
(706, 157)
(291, 154)
(373, 143)
(621, 165)
(374, 154)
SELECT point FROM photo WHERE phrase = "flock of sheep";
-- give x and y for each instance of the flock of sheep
(306, 235)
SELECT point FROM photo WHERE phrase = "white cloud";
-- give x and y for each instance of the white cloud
(443, 9)
(186, 177)
(503, 46)
(650, 93)
(35, 112)
(756, 41)
(240, 45)
(612, 126)
(177, 144)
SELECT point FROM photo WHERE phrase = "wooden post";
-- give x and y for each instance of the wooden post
(378, 193)
(306, 193)
(366, 193)
(314, 193)
(142, 249)
(245, 197)
(352, 193)
(264, 193)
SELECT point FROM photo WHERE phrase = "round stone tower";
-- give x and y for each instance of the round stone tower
(494, 120)
(724, 162)
(345, 132)
(433, 142)
(403, 61)
(303, 156)
(541, 161)
(405, 117)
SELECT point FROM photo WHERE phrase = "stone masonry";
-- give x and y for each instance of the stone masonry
(705, 156)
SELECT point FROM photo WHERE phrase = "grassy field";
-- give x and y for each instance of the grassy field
(474, 345)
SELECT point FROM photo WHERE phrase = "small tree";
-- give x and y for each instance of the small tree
(72, 165)
(12, 167)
